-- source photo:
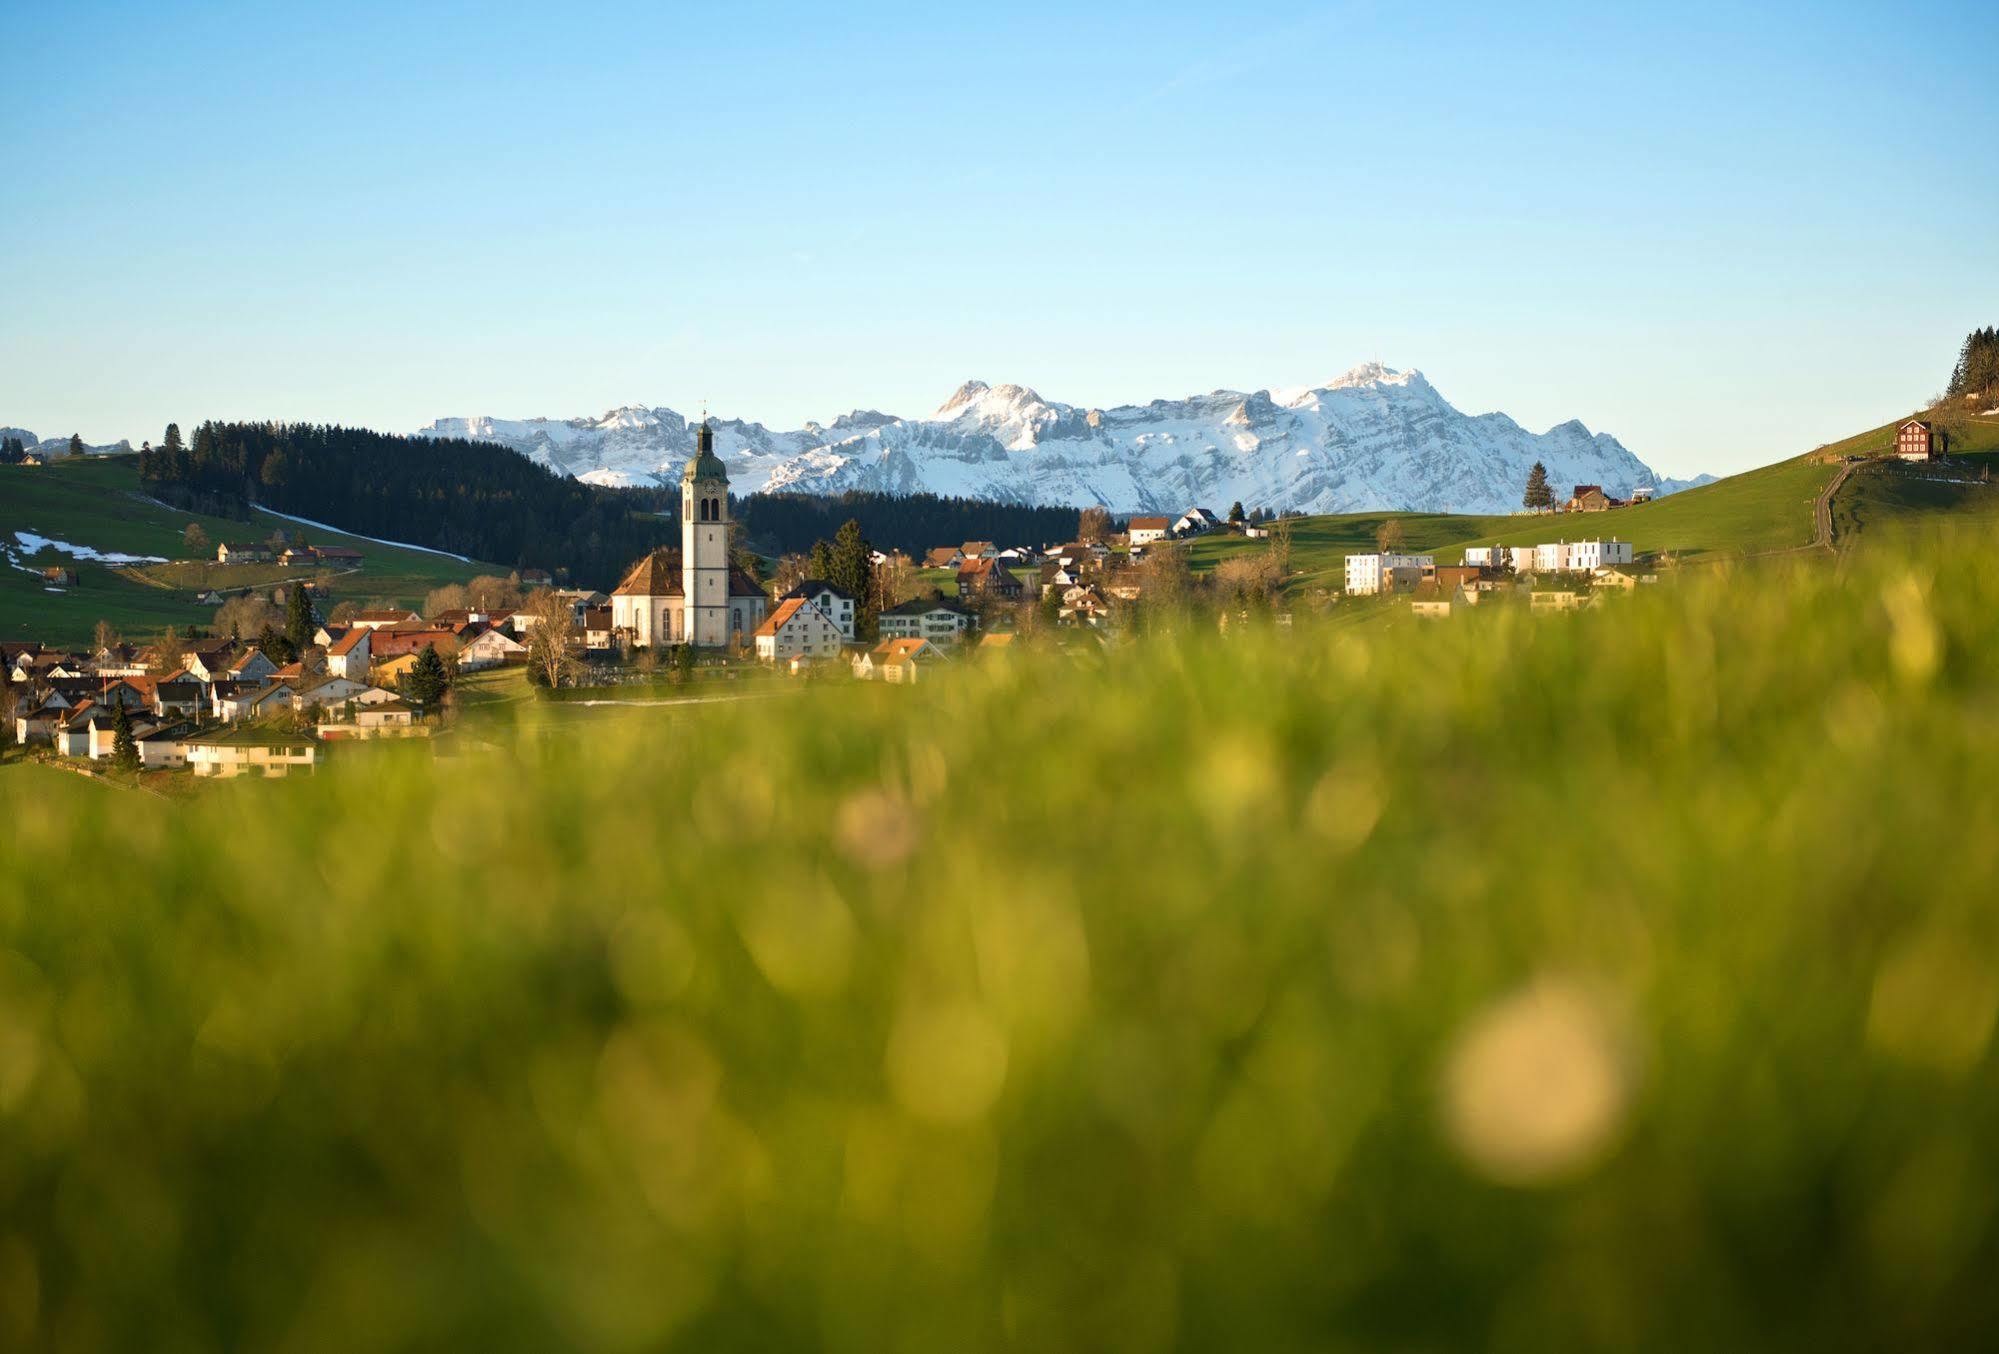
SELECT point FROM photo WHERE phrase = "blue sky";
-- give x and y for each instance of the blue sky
(1723, 236)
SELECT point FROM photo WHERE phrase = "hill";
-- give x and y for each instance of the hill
(95, 504)
(1760, 512)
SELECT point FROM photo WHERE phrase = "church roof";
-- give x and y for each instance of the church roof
(658, 575)
(704, 464)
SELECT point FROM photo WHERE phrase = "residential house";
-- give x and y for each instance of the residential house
(1552, 557)
(1558, 599)
(989, 578)
(378, 620)
(1196, 522)
(931, 618)
(1143, 531)
(250, 752)
(490, 648)
(392, 641)
(351, 654)
(38, 725)
(1486, 556)
(1083, 605)
(251, 666)
(1591, 555)
(1368, 575)
(898, 660)
(1591, 498)
(386, 718)
(944, 557)
(242, 552)
(972, 550)
(331, 693)
(1520, 558)
(102, 739)
(597, 628)
(536, 578)
(339, 555)
(210, 662)
(164, 748)
(835, 603)
(56, 576)
(797, 628)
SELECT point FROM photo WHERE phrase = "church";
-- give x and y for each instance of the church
(692, 594)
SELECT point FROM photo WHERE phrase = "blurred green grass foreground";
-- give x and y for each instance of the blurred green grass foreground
(1621, 981)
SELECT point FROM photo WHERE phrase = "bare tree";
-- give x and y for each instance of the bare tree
(1389, 536)
(551, 637)
(247, 615)
(450, 597)
(1094, 525)
(195, 541)
(104, 638)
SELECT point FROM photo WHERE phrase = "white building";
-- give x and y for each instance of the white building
(692, 595)
(940, 622)
(1551, 558)
(1196, 522)
(1521, 558)
(836, 604)
(797, 629)
(1143, 531)
(1370, 574)
(1486, 556)
(1596, 554)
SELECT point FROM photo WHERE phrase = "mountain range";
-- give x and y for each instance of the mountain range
(1372, 438)
(55, 448)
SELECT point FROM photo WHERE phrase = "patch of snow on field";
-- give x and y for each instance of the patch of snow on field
(31, 544)
(325, 526)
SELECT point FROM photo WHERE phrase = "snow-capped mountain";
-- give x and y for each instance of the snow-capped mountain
(55, 448)
(1373, 438)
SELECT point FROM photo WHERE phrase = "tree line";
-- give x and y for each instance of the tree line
(470, 498)
(782, 524)
(1977, 369)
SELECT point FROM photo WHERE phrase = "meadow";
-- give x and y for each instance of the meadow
(97, 503)
(1622, 981)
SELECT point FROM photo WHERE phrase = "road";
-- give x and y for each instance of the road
(1822, 507)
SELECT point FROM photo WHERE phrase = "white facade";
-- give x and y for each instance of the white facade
(704, 545)
(805, 631)
(1146, 530)
(1551, 557)
(1521, 557)
(1596, 554)
(1485, 556)
(939, 625)
(1368, 574)
(835, 605)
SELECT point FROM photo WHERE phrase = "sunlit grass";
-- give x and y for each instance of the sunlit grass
(1622, 980)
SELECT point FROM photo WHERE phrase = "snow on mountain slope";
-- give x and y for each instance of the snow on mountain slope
(1371, 438)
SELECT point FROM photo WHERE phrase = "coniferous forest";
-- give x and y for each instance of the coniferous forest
(491, 503)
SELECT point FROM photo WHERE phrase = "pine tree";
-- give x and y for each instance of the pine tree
(427, 680)
(124, 749)
(1235, 511)
(820, 566)
(76, 444)
(299, 622)
(1538, 494)
(853, 573)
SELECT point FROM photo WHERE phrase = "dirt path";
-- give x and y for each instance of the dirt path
(1822, 508)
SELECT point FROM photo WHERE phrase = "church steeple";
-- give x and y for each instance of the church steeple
(704, 543)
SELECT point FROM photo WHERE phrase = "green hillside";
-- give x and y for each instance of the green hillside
(1759, 512)
(97, 503)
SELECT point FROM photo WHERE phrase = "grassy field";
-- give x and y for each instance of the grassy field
(1619, 981)
(97, 503)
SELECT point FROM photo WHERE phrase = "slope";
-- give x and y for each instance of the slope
(96, 504)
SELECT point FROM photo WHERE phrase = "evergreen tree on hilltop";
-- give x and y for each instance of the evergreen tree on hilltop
(12, 452)
(299, 621)
(1538, 494)
(124, 748)
(76, 444)
(1235, 511)
(1977, 369)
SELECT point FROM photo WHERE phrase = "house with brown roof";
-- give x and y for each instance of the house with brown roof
(901, 661)
(490, 648)
(1143, 531)
(932, 618)
(377, 620)
(797, 629)
(944, 557)
(1591, 498)
(988, 578)
(350, 654)
(242, 552)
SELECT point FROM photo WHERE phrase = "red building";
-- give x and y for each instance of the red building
(1918, 441)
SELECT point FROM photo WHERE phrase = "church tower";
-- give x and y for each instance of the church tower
(704, 544)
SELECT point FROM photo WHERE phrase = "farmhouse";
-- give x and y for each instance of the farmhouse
(1146, 530)
(242, 552)
(490, 648)
(1916, 440)
(1196, 522)
(898, 660)
(988, 578)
